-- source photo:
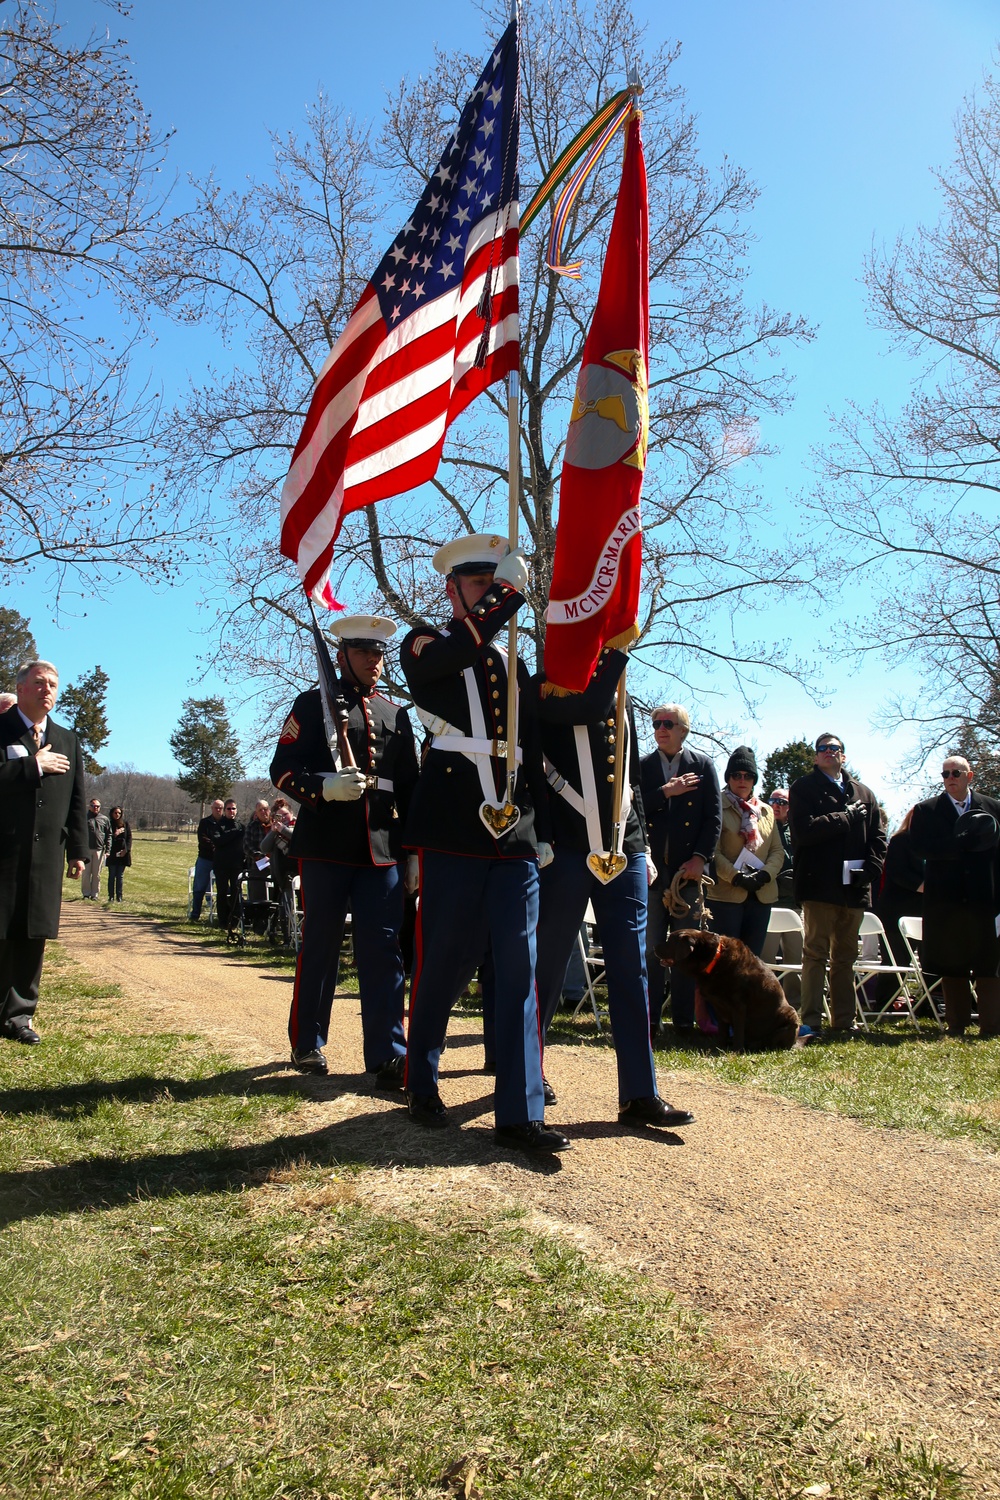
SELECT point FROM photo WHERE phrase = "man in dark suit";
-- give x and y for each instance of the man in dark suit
(683, 806)
(958, 836)
(838, 849)
(44, 809)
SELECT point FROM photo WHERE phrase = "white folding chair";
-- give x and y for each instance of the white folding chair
(783, 919)
(593, 965)
(911, 930)
(867, 968)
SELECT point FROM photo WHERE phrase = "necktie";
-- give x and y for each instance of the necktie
(37, 732)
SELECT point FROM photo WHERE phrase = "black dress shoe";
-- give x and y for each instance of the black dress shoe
(23, 1033)
(652, 1111)
(427, 1109)
(548, 1092)
(391, 1074)
(535, 1136)
(310, 1062)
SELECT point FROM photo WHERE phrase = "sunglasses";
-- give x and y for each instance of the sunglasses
(829, 749)
(779, 801)
(666, 723)
(946, 774)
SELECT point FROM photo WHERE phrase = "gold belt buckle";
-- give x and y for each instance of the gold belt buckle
(500, 749)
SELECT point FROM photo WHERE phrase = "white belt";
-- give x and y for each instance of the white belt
(383, 786)
(469, 746)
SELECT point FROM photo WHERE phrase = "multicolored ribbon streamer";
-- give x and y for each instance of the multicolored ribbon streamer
(578, 159)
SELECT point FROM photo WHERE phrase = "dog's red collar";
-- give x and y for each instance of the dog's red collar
(715, 959)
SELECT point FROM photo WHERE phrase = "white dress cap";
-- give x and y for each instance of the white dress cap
(471, 554)
(363, 630)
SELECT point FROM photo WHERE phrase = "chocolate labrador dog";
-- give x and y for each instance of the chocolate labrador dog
(748, 1001)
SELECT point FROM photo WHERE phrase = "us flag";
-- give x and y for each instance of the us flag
(435, 326)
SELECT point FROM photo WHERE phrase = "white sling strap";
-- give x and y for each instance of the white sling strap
(587, 806)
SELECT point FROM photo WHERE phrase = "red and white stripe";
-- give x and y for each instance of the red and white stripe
(386, 396)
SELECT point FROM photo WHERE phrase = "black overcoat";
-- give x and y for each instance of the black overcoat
(961, 899)
(824, 835)
(43, 825)
(679, 827)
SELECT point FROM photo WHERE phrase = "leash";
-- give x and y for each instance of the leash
(678, 906)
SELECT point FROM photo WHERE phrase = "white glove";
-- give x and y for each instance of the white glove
(513, 569)
(411, 875)
(343, 786)
(546, 854)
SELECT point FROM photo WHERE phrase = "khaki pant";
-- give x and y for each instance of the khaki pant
(958, 1004)
(831, 938)
(90, 880)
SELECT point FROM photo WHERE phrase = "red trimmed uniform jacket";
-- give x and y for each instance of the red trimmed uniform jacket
(444, 814)
(366, 832)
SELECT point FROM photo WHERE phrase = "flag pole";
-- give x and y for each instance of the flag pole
(513, 526)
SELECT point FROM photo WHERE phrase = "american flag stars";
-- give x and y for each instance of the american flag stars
(466, 185)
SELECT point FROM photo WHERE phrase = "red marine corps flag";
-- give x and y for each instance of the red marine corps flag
(594, 598)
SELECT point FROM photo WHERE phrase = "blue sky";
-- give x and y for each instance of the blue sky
(840, 114)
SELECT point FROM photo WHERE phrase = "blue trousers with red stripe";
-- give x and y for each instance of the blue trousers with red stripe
(374, 896)
(567, 884)
(463, 903)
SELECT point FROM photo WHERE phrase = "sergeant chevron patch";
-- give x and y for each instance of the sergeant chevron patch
(421, 641)
(290, 732)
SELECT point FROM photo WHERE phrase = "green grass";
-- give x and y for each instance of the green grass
(195, 1307)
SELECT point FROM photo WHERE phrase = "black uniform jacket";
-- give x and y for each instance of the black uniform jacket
(444, 814)
(595, 708)
(961, 890)
(681, 826)
(365, 832)
(824, 835)
(43, 825)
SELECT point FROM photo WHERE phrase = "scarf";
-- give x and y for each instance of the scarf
(749, 813)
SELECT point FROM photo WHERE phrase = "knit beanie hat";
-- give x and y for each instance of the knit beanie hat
(742, 759)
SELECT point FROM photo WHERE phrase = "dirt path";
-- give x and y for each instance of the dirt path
(872, 1257)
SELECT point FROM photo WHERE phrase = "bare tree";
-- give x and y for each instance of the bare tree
(287, 260)
(78, 211)
(912, 497)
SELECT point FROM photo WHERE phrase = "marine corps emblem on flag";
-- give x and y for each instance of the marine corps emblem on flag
(618, 413)
(290, 731)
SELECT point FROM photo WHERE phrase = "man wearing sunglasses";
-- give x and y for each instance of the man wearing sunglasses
(838, 845)
(683, 806)
(958, 835)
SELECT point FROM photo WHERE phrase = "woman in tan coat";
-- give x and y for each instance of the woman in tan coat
(742, 897)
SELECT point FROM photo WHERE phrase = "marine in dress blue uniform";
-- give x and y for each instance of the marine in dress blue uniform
(347, 843)
(579, 741)
(476, 884)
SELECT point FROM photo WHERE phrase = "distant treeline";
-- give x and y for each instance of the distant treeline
(158, 802)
